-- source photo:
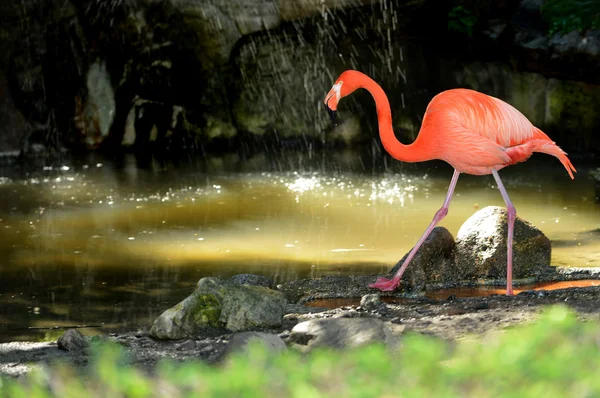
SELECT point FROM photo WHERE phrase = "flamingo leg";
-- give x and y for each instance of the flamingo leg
(512, 214)
(385, 284)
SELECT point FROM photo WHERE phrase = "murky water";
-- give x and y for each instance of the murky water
(112, 244)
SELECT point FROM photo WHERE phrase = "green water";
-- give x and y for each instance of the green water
(112, 244)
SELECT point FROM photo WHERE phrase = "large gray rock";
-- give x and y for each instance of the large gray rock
(433, 263)
(98, 110)
(217, 306)
(481, 246)
(343, 333)
(239, 343)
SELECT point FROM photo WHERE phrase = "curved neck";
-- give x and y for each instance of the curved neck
(399, 151)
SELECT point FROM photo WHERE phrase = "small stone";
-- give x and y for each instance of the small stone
(372, 302)
(72, 340)
(251, 279)
(342, 333)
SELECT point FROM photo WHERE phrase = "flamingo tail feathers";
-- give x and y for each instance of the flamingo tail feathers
(551, 148)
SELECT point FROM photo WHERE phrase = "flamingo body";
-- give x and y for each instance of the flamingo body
(486, 133)
(475, 133)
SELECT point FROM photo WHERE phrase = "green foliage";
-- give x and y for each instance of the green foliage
(462, 20)
(565, 16)
(557, 356)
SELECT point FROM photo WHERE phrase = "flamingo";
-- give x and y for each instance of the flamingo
(473, 132)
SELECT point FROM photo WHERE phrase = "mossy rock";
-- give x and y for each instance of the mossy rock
(218, 306)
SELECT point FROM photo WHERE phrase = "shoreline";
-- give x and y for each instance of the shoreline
(450, 319)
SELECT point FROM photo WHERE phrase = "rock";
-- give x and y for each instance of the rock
(332, 286)
(239, 343)
(433, 263)
(187, 345)
(573, 108)
(372, 302)
(342, 333)
(216, 306)
(257, 67)
(251, 279)
(481, 246)
(72, 340)
(587, 44)
(13, 126)
(97, 112)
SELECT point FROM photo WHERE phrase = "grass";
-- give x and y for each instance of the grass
(556, 356)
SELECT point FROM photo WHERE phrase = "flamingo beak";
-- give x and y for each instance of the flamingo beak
(332, 106)
(333, 116)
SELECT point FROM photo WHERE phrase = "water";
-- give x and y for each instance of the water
(110, 245)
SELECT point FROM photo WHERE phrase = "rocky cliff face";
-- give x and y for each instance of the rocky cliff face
(183, 73)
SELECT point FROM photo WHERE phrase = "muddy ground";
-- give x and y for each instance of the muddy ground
(449, 318)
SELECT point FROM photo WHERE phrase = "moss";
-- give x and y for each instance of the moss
(578, 102)
(573, 108)
(207, 311)
(528, 95)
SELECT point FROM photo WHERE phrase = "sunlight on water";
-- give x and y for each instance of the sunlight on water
(266, 218)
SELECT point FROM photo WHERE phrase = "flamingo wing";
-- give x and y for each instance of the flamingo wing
(489, 117)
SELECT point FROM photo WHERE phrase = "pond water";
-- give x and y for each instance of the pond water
(111, 244)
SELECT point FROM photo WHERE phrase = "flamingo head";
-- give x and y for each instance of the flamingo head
(337, 92)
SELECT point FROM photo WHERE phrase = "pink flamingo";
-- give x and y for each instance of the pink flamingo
(473, 132)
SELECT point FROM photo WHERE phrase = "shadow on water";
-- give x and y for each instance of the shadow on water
(112, 244)
(579, 239)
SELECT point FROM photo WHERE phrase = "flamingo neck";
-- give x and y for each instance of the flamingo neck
(399, 151)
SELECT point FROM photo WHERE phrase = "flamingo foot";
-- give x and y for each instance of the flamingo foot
(509, 291)
(385, 285)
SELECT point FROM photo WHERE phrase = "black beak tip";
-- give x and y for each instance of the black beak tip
(333, 116)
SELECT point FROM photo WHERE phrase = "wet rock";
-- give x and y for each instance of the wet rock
(251, 279)
(13, 125)
(481, 246)
(342, 333)
(72, 340)
(433, 263)
(239, 343)
(217, 306)
(304, 290)
(372, 302)
(587, 44)
(96, 113)
(560, 97)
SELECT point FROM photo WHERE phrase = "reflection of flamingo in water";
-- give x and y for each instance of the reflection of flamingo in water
(473, 132)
